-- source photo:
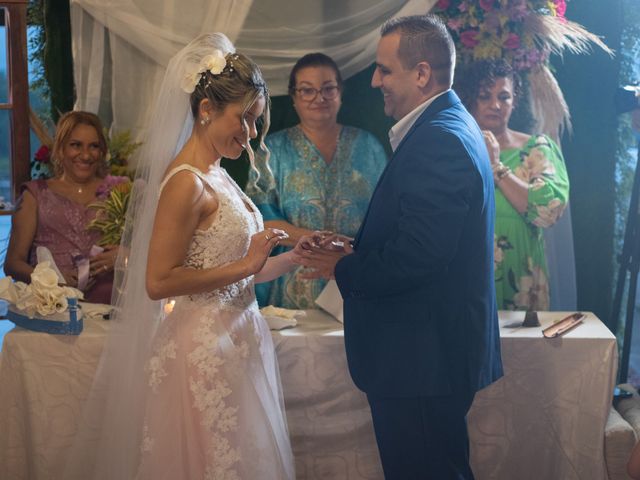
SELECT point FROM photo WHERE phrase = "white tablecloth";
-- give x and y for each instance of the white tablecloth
(544, 420)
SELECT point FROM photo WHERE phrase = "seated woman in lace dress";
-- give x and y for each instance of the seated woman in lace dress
(531, 182)
(54, 213)
(321, 176)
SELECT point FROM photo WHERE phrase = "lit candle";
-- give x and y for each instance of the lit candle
(168, 307)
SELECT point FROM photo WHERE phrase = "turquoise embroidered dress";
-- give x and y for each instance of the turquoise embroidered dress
(519, 258)
(305, 191)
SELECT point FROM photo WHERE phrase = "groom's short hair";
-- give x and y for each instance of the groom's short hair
(424, 38)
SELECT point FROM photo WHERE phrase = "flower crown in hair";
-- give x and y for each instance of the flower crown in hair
(214, 64)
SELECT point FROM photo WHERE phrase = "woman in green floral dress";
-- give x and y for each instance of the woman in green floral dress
(532, 186)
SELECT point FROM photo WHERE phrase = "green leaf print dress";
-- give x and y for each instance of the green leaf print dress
(519, 260)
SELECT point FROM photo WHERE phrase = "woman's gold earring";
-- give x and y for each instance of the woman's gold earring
(205, 121)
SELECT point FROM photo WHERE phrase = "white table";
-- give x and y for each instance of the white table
(544, 420)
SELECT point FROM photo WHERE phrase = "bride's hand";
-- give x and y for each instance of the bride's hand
(260, 247)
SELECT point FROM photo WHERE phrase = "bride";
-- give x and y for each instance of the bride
(192, 391)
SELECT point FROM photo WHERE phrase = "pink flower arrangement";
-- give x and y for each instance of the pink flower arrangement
(484, 29)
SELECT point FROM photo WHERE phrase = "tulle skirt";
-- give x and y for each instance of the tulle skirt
(214, 407)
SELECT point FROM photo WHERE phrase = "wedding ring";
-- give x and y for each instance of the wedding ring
(105, 268)
(268, 237)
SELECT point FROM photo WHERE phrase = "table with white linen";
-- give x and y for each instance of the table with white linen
(544, 420)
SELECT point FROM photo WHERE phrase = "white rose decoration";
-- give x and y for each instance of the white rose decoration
(8, 290)
(43, 296)
(215, 63)
(190, 80)
(43, 277)
(72, 292)
(28, 302)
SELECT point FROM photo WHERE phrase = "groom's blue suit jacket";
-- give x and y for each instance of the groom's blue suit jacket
(419, 302)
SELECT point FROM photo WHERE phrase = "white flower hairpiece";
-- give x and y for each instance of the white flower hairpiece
(213, 63)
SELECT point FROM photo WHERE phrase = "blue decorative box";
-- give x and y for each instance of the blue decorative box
(66, 323)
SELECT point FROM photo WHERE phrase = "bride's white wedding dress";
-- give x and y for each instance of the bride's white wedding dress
(214, 403)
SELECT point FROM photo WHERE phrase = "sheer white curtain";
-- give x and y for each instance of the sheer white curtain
(121, 49)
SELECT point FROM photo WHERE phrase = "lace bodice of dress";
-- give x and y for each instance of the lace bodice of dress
(226, 240)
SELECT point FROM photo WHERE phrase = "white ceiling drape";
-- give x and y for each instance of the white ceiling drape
(121, 47)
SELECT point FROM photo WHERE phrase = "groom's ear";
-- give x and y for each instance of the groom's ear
(423, 74)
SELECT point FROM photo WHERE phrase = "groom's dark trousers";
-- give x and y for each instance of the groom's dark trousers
(421, 325)
(415, 435)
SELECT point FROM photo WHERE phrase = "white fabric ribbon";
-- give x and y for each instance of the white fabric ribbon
(43, 254)
(83, 264)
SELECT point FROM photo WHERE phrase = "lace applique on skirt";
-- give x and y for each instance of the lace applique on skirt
(214, 406)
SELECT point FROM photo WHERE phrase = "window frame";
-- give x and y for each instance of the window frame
(15, 22)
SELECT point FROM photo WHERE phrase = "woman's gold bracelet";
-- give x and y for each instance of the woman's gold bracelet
(500, 170)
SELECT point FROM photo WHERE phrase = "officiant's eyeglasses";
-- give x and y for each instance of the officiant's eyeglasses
(309, 94)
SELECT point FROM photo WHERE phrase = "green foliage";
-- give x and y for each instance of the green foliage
(35, 25)
(110, 218)
(121, 147)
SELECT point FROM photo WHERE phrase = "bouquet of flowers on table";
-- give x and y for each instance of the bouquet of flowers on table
(525, 33)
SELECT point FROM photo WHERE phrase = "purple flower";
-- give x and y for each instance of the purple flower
(491, 21)
(454, 24)
(469, 38)
(110, 181)
(486, 5)
(517, 10)
(512, 42)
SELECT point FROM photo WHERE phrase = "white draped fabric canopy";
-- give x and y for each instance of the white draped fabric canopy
(121, 49)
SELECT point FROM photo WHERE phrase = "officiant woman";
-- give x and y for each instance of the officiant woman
(531, 182)
(54, 213)
(320, 174)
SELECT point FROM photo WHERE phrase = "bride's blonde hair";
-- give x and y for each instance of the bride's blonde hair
(241, 82)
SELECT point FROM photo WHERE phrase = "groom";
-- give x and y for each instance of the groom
(421, 326)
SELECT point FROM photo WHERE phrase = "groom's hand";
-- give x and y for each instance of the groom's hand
(320, 253)
(337, 243)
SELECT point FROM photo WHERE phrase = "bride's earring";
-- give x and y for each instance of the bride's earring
(205, 121)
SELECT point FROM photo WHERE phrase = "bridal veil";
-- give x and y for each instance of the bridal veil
(107, 445)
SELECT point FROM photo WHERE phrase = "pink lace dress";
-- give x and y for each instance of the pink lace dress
(62, 228)
(214, 402)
